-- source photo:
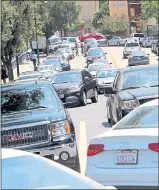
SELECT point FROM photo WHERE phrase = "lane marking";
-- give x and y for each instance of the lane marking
(83, 146)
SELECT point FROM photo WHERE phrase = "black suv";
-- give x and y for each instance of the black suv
(76, 84)
(132, 87)
(34, 119)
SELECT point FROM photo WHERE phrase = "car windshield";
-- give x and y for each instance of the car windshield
(139, 35)
(132, 44)
(140, 78)
(139, 58)
(105, 61)
(90, 40)
(26, 99)
(95, 52)
(142, 117)
(54, 40)
(107, 73)
(96, 67)
(65, 42)
(45, 68)
(66, 78)
(24, 77)
(72, 40)
(54, 62)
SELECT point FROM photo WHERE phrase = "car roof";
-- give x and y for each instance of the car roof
(108, 69)
(20, 84)
(140, 67)
(96, 64)
(138, 53)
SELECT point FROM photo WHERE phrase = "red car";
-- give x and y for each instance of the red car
(97, 36)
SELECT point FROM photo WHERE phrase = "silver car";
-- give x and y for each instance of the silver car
(116, 41)
(105, 78)
(138, 58)
(148, 41)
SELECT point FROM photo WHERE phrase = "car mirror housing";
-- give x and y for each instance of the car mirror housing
(109, 90)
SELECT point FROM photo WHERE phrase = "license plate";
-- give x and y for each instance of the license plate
(61, 95)
(126, 157)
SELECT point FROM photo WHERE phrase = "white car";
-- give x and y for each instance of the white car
(94, 67)
(137, 37)
(127, 154)
(24, 170)
(148, 41)
(129, 47)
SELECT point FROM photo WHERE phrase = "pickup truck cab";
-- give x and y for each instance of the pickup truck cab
(34, 119)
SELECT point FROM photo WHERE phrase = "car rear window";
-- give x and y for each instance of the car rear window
(142, 117)
(139, 35)
(132, 44)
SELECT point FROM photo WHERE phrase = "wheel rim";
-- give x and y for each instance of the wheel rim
(84, 97)
(96, 94)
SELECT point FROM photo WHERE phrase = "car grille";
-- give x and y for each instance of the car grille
(24, 136)
(63, 91)
(142, 101)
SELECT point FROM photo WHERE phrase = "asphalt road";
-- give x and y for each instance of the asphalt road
(91, 120)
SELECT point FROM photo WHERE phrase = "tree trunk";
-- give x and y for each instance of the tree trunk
(8, 65)
(47, 46)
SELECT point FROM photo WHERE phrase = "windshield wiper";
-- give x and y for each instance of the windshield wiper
(154, 85)
(131, 87)
(38, 107)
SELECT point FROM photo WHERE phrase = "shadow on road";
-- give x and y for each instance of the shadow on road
(106, 125)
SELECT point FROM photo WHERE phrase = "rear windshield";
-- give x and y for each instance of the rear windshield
(132, 44)
(142, 117)
(24, 77)
(139, 35)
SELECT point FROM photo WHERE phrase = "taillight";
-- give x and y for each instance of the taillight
(154, 147)
(94, 149)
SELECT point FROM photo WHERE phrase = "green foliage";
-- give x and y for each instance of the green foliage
(99, 15)
(114, 25)
(150, 9)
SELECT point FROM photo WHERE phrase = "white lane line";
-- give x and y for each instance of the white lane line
(83, 146)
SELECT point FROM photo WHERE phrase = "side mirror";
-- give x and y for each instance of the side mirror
(71, 102)
(86, 78)
(110, 63)
(148, 54)
(105, 53)
(109, 90)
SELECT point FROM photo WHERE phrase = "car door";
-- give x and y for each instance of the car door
(87, 83)
(114, 97)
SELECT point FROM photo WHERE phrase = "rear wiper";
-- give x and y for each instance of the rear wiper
(131, 87)
(38, 107)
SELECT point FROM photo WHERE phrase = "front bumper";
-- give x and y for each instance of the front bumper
(54, 153)
(101, 87)
(76, 94)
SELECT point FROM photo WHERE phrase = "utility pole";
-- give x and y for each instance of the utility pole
(36, 34)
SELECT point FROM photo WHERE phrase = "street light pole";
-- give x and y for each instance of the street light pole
(36, 34)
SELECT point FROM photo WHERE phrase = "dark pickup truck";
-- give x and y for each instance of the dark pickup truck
(34, 119)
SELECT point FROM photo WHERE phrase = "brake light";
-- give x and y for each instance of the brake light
(154, 147)
(94, 149)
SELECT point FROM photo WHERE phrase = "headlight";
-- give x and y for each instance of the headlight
(100, 82)
(60, 128)
(131, 104)
(76, 87)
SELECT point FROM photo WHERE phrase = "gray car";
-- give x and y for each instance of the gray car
(138, 58)
(105, 78)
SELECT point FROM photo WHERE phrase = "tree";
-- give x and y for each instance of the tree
(114, 25)
(15, 28)
(150, 9)
(99, 15)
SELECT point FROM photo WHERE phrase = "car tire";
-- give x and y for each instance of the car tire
(77, 167)
(111, 118)
(95, 98)
(124, 57)
(107, 44)
(118, 44)
(108, 114)
(84, 99)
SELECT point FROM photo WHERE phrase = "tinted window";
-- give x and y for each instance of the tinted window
(66, 77)
(95, 52)
(27, 99)
(142, 117)
(72, 40)
(23, 77)
(105, 61)
(54, 40)
(139, 35)
(132, 44)
(107, 73)
(96, 67)
(139, 78)
(139, 58)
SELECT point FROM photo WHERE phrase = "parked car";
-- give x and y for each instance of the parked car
(34, 119)
(138, 58)
(97, 36)
(48, 71)
(132, 87)
(64, 52)
(76, 84)
(126, 156)
(54, 43)
(105, 61)
(25, 170)
(138, 37)
(54, 62)
(67, 43)
(29, 75)
(105, 78)
(148, 41)
(95, 67)
(129, 47)
(94, 53)
(116, 41)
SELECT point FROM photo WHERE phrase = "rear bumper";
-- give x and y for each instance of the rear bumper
(101, 87)
(124, 177)
(76, 94)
